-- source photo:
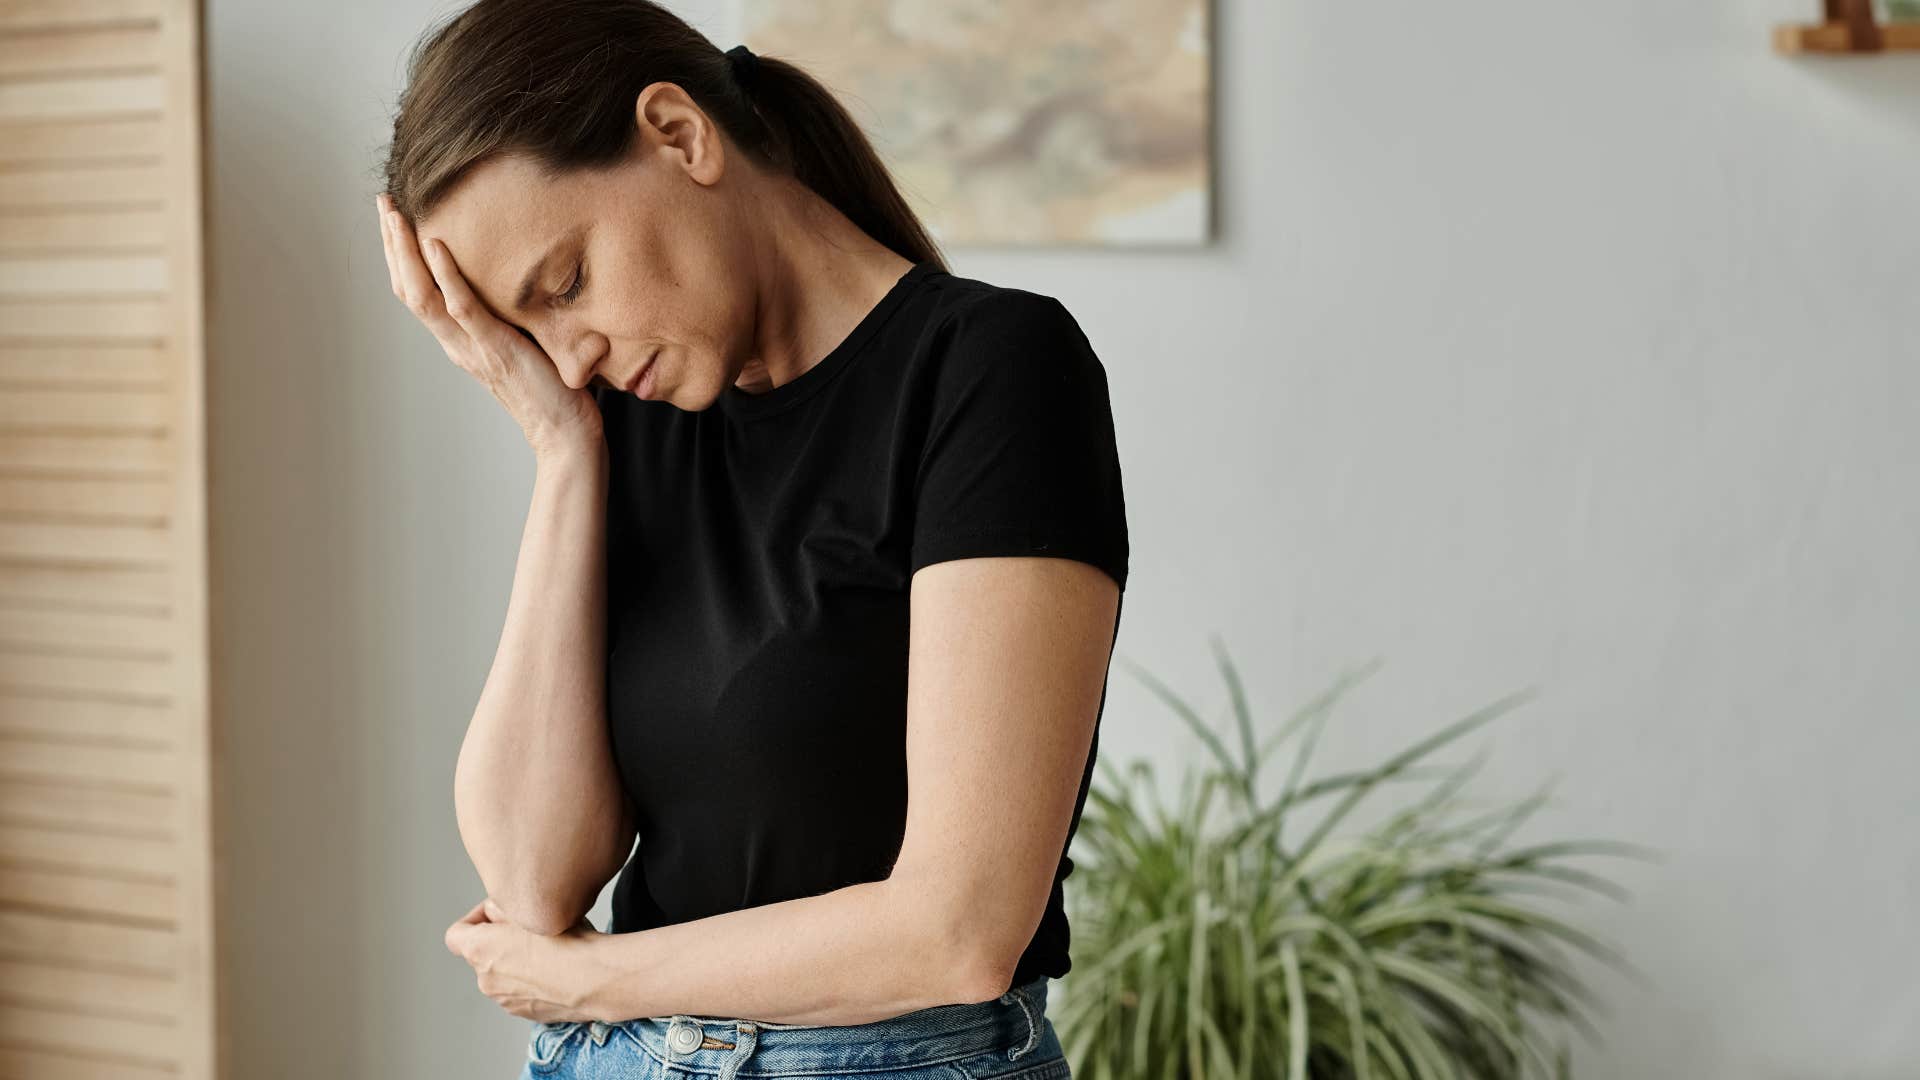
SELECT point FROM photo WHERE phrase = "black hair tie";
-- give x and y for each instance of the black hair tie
(746, 66)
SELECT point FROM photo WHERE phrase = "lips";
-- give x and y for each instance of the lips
(634, 383)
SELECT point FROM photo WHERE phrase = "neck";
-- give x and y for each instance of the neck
(819, 275)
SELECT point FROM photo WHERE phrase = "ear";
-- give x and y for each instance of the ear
(671, 122)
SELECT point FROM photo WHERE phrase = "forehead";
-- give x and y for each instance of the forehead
(499, 219)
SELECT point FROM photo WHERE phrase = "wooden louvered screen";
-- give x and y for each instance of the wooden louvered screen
(106, 830)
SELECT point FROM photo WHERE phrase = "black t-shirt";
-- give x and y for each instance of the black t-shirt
(759, 558)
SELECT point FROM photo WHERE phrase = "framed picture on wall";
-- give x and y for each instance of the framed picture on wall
(1052, 122)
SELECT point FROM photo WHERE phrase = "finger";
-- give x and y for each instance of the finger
(416, 282)
(427, 305)
(422, 294)
(473, 914)
(494, 913)
(479, 944)
(454, 936)
(465, 308)
(386, 245)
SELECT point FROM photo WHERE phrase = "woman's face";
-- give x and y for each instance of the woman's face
(648, 255)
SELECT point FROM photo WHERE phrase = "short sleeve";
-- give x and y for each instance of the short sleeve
(1020, 456)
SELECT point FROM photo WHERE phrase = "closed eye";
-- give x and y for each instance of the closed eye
(579, 282)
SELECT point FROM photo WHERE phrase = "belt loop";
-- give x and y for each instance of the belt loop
(748, 1038)
(1019, 996)
(548, 1054)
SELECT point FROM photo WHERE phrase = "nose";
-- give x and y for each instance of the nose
(576, 362)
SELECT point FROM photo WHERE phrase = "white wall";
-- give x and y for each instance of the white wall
(1565, 348)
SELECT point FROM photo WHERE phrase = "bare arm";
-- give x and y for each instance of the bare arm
(1007, 662)
(538, 800)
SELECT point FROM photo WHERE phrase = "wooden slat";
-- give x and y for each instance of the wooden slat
(102, 854)
(108, 230)
(109, 48)
(36, 626)
(109, 183)
(34, 935)
(124, 367)
(137, 545)
(87, 585)
(27, 1063)
(95, 806)
(18, 16)
(135, 410)
(42, 756)
(156, 1043)
(105, 676)
(83, 320)
(31, 538)
(155, 995)
(102, 138)
(69, 275)
(81, 97)
(141, 454)
(91, 896)
(100, 497)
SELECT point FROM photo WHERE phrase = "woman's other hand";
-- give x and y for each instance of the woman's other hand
(553, 415)
(530, 975)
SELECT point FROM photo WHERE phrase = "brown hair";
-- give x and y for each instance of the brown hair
(556, 80)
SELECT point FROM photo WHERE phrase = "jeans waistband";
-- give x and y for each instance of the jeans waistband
(1012, 1022)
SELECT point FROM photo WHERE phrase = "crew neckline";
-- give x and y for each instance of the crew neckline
(741, 403)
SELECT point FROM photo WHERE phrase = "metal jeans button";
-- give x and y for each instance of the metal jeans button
(683, 1038)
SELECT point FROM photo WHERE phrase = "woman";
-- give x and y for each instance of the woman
(772, 432)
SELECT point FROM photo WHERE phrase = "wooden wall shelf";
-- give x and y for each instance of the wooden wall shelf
(1848, 28)
(1837, 38)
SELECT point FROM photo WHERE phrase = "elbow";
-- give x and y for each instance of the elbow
(969, 954)
(541, 887)
(984, 978)
(542, 914)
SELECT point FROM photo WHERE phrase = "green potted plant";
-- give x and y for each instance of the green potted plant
(1264, 944)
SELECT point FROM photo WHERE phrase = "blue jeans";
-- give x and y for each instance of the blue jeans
(1003, 1039)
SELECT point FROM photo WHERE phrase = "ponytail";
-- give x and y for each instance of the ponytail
(807, 133)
